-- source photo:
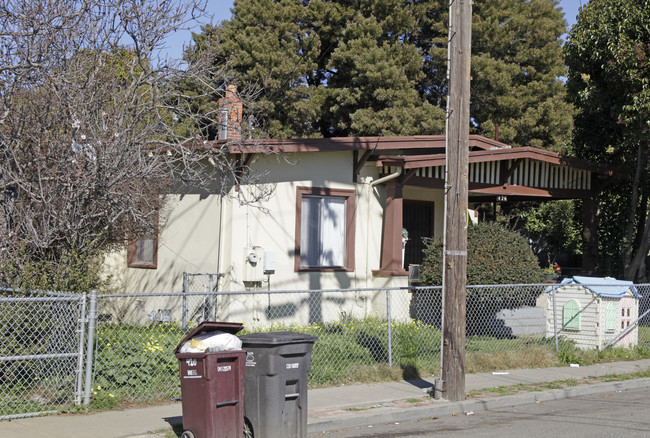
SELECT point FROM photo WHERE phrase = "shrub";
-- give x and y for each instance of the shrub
(495, 255)
(63, 271)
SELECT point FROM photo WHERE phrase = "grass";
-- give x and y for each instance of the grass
(136, 366)
(556, 384)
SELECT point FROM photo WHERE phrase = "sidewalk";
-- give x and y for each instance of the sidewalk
(343, 406)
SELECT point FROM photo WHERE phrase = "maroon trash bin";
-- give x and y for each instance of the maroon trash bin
(212, 387)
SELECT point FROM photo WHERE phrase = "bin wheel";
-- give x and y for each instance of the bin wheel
(248, 429)
(187, 434)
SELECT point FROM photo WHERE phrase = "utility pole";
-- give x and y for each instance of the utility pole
(454, 278)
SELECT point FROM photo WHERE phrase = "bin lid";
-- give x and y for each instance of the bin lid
(276, 338)
(211, 326)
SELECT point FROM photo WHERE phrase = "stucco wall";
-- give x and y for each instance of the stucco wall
(194, 239)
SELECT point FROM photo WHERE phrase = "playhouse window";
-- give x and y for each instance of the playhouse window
(610, 317)
(324, 229)
(571, 315)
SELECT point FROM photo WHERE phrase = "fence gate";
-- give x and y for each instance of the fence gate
(41, 352)
(206, 309)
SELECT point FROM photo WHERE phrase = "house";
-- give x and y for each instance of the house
(334, 210)
(592, 311)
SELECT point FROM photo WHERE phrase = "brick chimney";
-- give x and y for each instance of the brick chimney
(230, 114)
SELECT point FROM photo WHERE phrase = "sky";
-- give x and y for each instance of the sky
(219, 10)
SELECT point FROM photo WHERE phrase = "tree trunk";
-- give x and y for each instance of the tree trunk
(642, 159)
(633, 260)
(636, 269)
(590, 236)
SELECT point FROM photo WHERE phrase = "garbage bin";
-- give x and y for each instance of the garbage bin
(212, 387)
(275, 395)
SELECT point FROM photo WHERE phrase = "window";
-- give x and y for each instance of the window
(610, 317)
(324, 229)
(571, 315)
(143, 253)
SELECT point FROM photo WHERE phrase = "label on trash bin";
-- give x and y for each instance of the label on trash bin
(250, 359)
(192, 374)
(293, 366)
(190, 362)
(224, 369)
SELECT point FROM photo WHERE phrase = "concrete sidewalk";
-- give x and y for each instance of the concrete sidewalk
(343, 406)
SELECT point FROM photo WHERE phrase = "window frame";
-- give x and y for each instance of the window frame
(571, 322)
(350, 203)
(132, 251)
(611, 317)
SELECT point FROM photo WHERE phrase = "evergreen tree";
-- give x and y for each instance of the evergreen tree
(378, 67)
(609, 81)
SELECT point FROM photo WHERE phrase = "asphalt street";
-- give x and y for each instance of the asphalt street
(616, 414)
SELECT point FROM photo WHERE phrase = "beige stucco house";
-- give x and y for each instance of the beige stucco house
(335, 211)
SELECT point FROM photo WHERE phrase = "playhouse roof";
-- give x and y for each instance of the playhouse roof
(605, 286)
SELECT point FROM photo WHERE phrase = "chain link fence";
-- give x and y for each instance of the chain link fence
(41, 352)
(363, 335)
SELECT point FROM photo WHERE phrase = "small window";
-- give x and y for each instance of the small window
(610, 317)
(571, 315)
(324, 229)
(143, 253)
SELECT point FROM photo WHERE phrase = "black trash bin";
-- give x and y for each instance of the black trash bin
(275, 396)
(212, 387)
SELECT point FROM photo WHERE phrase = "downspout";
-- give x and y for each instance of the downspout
(372, 184)
(220, 245)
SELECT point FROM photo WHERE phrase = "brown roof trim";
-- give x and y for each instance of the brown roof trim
(335, 144)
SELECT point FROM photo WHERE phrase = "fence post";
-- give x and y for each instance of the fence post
(557, 349)
(390, 337)
(90, 348)
(210, 300)
(80, 358)
(184, 310)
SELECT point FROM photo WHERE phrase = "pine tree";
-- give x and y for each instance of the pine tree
(378, 67)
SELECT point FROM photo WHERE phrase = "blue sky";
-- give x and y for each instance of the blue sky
(220, 10)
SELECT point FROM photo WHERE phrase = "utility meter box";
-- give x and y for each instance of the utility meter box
(253, 264)
(269, 262)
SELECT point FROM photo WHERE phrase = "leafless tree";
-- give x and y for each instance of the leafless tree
(96, 121)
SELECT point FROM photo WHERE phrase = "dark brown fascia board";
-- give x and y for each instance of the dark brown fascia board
(335, 144)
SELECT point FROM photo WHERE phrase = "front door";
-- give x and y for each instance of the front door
(417, 219)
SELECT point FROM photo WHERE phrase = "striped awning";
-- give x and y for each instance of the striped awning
(529, 173)
(521, 172)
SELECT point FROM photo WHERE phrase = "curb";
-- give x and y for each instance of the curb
(382, 414)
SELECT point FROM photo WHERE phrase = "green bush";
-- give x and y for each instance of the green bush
(61, 271)
(130, 358)
(495, 255)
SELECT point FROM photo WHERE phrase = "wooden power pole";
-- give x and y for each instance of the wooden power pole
(454, 277)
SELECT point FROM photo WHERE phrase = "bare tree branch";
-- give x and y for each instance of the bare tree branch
(96, 124)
